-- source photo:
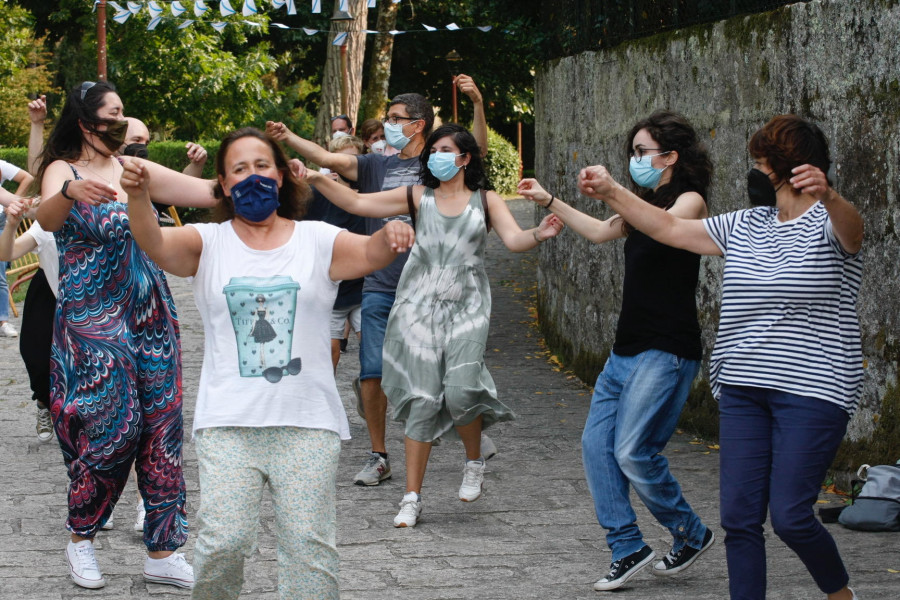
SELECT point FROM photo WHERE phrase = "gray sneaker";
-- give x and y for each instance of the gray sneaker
(44, 426)
(376, 470)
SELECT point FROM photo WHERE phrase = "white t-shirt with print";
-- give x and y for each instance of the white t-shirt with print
(267, 348)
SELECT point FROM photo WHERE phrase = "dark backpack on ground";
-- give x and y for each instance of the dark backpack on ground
(877, 508)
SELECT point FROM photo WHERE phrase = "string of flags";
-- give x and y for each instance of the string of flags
(205, 14)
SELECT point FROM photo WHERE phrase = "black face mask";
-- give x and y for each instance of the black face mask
(139, 150)
(114, 135)
(760, 188)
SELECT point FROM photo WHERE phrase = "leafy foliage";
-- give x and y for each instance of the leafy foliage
(502, 164)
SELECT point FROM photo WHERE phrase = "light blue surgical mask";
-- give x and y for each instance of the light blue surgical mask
(643, 172)
(443, 165)
(393, 134)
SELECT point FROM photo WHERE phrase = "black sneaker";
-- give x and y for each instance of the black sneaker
(676, 562)
(624, 569)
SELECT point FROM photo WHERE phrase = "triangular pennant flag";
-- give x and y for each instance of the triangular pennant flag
(200, 7)
(370, 31)
(277, 3)
(177, 9)
(279, 25)
(342, 5)
(252, 23)
(292, 8)
(371, 4)
(154, 9)
(395, 32)
(316, 6)
(429, 27)
(153, 23)
(121, 17)
(340, 39)
(249, 8)
(308, 31)
(485, 28)
(186, 24)
(116, 6)
(225, 8)
(451, 26)
(218, 26)
(135, 7)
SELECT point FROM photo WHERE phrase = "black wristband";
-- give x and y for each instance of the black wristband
(65, 187)
(549, 203)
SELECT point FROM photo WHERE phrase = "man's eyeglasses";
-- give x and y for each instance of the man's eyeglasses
(344, 117)
(274, 374)
(395, 119)
(641, 153)
(86, 86)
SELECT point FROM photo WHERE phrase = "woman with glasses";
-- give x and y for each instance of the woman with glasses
(787, 366)
(115, 378)
(435, 376)
(643, 387)
(268, 411)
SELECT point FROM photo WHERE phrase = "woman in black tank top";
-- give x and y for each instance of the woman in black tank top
(643, 387)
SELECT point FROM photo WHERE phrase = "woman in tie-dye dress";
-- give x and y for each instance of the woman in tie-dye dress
(434, 372)
(116, 368)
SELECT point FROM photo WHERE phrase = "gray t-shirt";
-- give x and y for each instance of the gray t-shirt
(376, 173)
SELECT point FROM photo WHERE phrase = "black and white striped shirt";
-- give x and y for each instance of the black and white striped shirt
(788, 319)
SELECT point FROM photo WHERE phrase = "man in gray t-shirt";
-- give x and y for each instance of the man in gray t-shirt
(409, 121)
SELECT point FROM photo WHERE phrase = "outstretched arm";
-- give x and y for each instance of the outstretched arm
(345, 164)
(514, 238)
(171, 187)
(175, 249)
(584, 225)
(12, 247)
(357, 255)
(479, 123)
(377, 205)
(661, 225)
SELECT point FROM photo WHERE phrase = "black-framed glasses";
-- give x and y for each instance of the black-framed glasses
(394, 119)
(85, 86)
(641, 153)
(274, 374)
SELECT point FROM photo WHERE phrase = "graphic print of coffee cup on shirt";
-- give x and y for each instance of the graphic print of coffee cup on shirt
(263, 311)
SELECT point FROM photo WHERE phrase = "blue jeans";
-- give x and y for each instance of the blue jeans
(634, 411)
(376, 307)
(4, 284)
(775, 449)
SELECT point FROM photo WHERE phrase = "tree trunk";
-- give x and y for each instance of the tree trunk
(375, 95)
(330, 104)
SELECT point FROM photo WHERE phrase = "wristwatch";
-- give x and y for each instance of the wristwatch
(64, 188)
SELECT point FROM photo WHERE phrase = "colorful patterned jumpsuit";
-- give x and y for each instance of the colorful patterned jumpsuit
(115, 380)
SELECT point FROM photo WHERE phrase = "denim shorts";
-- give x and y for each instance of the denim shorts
(376, 306)
(339, 317)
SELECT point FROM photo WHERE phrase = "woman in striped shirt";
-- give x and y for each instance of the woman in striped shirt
(787, 366)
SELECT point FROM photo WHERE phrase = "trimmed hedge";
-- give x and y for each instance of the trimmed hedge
(502, 164)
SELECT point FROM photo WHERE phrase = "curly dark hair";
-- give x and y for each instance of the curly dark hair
(788, 141)
(294, 195)
(66, 140)
(474, 176)
(692, 172)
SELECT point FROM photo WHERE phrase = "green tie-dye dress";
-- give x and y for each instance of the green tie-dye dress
(434, 373)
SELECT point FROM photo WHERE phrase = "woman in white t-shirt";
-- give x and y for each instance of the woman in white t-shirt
(787, 366)
(268, 411)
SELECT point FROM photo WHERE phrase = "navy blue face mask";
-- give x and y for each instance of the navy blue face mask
(255, 198)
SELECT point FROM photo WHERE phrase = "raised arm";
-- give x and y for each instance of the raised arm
(661, 225)
(12, 247)
(513, 237)
(586, 226)
(377, 205)
(37, 114)
(175, 249)
(846, 221)
(197, 157)
(479, 123)
(345, 164)
(357, 255)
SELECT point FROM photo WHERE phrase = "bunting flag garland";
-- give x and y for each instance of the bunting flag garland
(249, 8)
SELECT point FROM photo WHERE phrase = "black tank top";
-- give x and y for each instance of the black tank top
(659, 309)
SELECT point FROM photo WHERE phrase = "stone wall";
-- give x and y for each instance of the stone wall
(836, 62)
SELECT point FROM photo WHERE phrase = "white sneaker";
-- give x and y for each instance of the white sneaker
(108, 525)
(488, 449)
(172, 570)
(141, 516)
(410, 509)
(473, 479)
(44, 426)
(83, 567)
(7, 330)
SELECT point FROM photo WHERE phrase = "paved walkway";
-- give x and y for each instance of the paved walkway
(532, 536)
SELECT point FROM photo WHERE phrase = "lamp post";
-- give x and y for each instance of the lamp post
(453, 58)
(340, 16)
(101, 40)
